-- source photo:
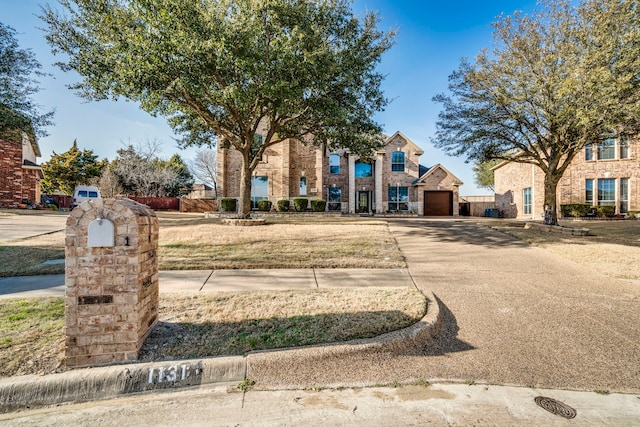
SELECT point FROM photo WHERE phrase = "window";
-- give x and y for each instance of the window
(257, 139)
(607, 149)
(398, 198)
(624, 147)
(303, 186)
(259, 190)
(606, 192)
(588, 152)
(334, 199)
(363, 170)
(588, 197)
(334, 163)
(624, 195)
(526, 196)
(397, 161)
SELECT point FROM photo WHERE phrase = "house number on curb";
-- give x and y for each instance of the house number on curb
(170, 374)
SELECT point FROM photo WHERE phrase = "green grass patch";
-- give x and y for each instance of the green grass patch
(32, 332)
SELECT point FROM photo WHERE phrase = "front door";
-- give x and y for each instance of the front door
(363, 201)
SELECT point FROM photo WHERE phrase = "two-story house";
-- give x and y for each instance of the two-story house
(19, 173)
(390, 180)
(604, 174)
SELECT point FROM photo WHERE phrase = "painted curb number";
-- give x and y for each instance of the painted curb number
(170, 374)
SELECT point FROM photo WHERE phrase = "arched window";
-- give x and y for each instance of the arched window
(363, 170)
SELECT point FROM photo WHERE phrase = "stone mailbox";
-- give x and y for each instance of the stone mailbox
(111, 278)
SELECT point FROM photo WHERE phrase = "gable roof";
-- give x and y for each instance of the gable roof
(419, 151)
(431, 170)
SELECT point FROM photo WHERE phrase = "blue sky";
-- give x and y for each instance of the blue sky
(432, 37)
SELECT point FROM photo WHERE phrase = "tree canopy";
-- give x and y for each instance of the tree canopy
(228, 69)
(141, 172)
(73, 167)
(556, 80)
(18, 69)
(483, 173)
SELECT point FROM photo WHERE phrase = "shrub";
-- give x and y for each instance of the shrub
(318, 205)
(606, 211)
(574, 210)
(300, 204)
(264, 205)
(228, 205)
(283, 205)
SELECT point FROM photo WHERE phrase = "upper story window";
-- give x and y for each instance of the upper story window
(588, 152)
(624, 148)
(363, 170)
(607, 149)
(334, 163)
(397, 161)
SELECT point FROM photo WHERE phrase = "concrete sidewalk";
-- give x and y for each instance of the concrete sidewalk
(227, 280)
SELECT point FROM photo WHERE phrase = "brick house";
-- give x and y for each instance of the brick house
(391, 180)
(604, 174)
(19, 173)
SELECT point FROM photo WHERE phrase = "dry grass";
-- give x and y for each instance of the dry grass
(25, 257)
(233, 323)
(279, 244)
(611, 248)
(210, 324)
(191, 242)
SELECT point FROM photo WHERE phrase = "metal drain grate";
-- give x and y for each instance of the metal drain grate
(555, 407)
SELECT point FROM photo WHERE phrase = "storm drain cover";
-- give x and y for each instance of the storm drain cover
(555, 407)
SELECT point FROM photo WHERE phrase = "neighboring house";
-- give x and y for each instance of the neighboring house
(392, 180)
(605, 174)
(201, 191)
(19, 173)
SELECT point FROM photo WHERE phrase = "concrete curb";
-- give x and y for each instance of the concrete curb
(79, 385)
(409, 339)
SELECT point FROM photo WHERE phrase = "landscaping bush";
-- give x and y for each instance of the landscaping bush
(300, 204)
(318, 205)
(283, 205)
(606, 211)
(228, 205)
(574, 210)
(264, 205)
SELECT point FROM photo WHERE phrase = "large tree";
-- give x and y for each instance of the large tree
(18, 71)
(73, 167)
(230, 69)
(557, 79)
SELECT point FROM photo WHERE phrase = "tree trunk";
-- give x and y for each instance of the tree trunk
(244, 208)
(550, 200)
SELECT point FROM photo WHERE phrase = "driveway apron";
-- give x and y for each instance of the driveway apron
(513, 314)
(517, 314)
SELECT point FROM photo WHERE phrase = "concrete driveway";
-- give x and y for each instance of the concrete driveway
(513, 314)
(20, 226)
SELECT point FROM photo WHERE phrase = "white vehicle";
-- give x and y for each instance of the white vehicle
(83, 193)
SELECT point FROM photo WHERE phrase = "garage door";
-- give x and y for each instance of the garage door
(438, 203)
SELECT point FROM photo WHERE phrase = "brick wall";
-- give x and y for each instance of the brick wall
(11, 174)
(512, 178)
(111, 300)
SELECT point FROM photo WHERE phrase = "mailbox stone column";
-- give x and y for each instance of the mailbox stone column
(111, 278)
